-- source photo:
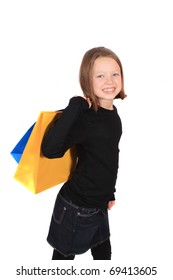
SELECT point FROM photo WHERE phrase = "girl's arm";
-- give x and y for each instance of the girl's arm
(55, 142)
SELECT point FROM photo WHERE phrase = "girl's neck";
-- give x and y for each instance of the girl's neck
(106, 104)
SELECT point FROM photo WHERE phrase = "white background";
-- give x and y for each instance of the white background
(42, 44)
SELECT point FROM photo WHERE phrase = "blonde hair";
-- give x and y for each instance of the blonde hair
(86, 71)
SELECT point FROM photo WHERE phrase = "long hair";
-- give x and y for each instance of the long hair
(85, 73)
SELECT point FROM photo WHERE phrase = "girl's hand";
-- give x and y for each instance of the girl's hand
(88, 100)
(111, 204)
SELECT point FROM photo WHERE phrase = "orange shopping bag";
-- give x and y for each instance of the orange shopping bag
(36, 172)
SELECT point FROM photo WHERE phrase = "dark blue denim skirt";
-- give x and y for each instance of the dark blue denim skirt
(74, 230)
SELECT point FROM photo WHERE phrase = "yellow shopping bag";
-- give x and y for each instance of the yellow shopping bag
(36, 172)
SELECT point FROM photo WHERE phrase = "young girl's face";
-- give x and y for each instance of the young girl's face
(106, 79)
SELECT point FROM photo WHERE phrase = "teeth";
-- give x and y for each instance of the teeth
(108, 89)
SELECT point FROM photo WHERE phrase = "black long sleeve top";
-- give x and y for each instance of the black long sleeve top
(96, 136)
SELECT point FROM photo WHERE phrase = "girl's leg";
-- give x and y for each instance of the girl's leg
(102, 251)
(58, 256)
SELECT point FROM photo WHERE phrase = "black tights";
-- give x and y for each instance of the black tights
(100, 252)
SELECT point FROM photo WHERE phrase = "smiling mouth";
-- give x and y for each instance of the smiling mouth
(109, 90)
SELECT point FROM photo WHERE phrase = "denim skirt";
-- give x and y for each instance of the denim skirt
(74, 230)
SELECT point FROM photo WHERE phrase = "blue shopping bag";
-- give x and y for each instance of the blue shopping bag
(20, 146)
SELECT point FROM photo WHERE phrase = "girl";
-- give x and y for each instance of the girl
(80, 216)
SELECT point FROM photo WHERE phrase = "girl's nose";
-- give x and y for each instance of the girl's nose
(109, 80)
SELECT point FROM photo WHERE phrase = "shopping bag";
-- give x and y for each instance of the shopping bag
(36, 172)
(20, 146)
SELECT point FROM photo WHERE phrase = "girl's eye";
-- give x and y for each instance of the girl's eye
(100, 76)
(116, 74)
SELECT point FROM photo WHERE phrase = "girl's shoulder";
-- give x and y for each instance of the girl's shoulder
(79, 101)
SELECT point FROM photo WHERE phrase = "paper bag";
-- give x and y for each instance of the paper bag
(36, 172)
(20, 146)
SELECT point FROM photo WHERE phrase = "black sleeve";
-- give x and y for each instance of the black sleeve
(112, 198)
(113, 195)
(56, 141)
